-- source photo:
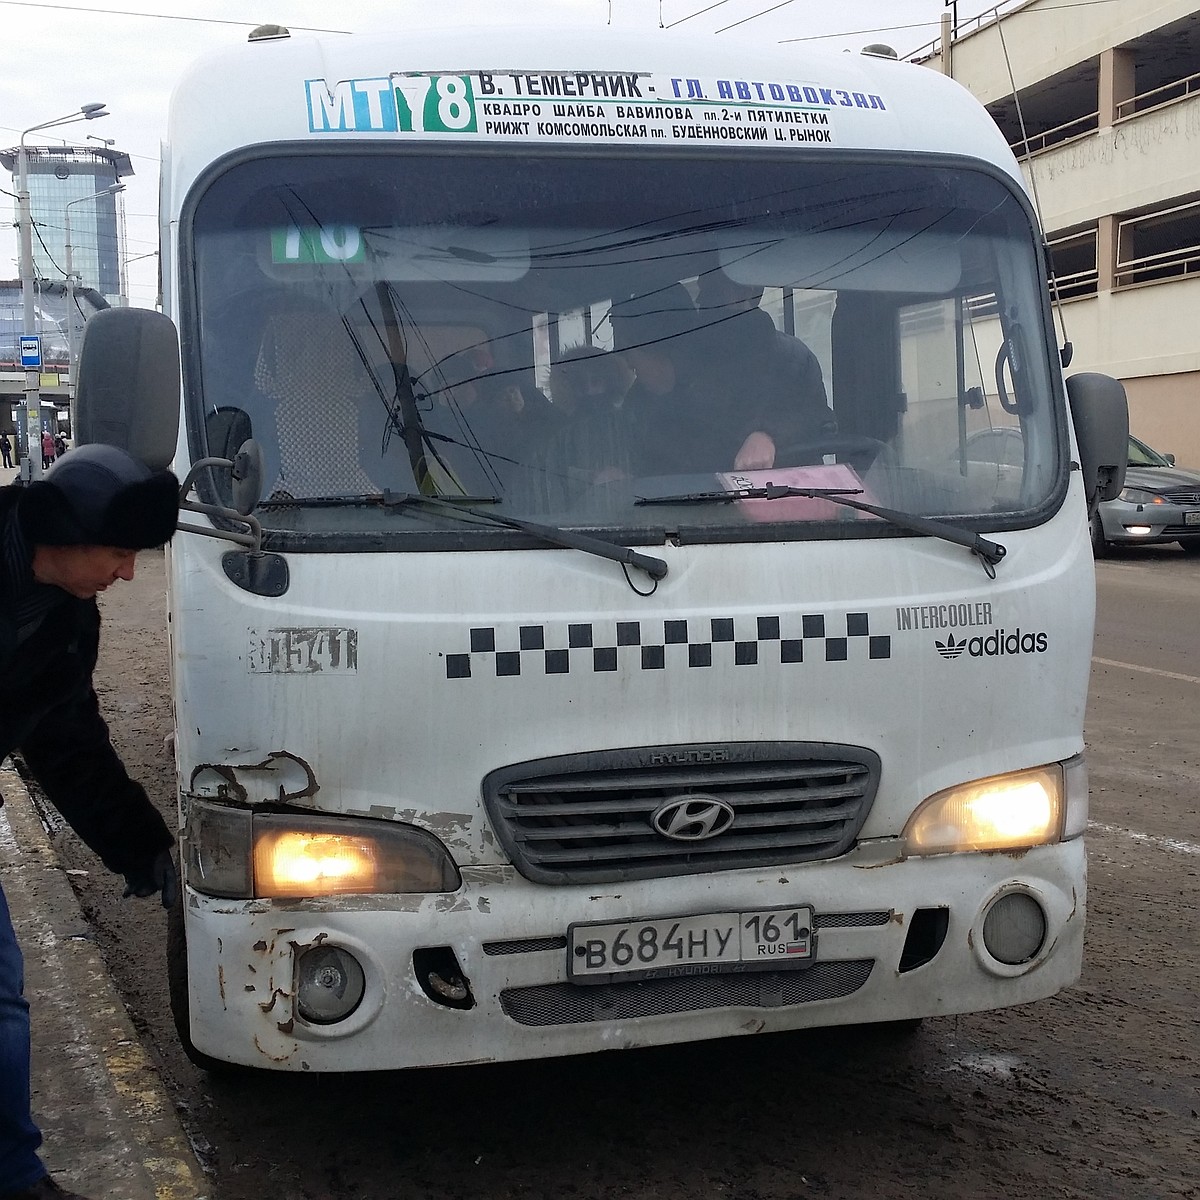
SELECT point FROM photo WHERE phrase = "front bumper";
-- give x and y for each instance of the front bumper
(1128, 524)
(509, 939)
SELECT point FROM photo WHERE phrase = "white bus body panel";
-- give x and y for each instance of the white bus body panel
(261, 94)
(397, 738)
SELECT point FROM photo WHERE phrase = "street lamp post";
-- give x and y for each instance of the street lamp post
(111, 190)
(33, 375)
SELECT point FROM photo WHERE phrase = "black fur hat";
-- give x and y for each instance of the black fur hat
(98, 495)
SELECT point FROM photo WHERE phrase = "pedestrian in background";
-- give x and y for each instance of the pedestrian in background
(64, 539)
(47, 449)
(6, 449)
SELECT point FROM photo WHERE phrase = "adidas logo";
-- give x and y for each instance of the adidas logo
(950, 648)
(998, 643)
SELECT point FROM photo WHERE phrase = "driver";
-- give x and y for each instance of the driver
(742, 348)
(688, 410)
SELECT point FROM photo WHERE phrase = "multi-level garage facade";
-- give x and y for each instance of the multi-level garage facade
(1101, 102)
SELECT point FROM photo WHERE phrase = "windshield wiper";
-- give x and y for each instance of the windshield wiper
(656, 568)
(384, 499)
(989, 552)
(461, 508)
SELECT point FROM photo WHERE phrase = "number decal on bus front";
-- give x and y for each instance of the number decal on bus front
(435, 103)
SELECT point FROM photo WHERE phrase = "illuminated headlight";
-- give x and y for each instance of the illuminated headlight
(1003, 812)
(237, 853)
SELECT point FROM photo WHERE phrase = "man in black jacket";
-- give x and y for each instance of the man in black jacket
(64, 539)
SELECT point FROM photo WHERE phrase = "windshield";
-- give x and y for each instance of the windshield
(1141, 455)
(561, 337)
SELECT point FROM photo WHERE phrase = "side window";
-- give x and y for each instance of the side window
(954, 423)
(929, 371)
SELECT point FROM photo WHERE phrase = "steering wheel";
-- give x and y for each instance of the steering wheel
(855, 446)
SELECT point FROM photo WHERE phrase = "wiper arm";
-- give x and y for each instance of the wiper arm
(384, 499)
(656, 568)
(989, 552)
(460, 506)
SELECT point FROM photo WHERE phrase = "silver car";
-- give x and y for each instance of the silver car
(1159, 503)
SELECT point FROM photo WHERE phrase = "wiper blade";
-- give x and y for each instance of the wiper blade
(656, 568)
(461, 506)
(384, 499)
(989, 552)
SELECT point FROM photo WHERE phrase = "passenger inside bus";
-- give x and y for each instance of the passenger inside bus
(742, 342)
(488, 418)
(690, 408)
(586, 378)
(587, 442)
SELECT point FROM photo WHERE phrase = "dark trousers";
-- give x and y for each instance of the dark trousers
(20, 1138)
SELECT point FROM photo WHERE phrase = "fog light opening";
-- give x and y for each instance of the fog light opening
(329, 984)
(926, 935)
(441, 978)
(1014, 929)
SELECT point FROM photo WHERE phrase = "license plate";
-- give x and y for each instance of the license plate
(710, 944)
(1192, 518)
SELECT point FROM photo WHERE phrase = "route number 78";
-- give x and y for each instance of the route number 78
(435, 103)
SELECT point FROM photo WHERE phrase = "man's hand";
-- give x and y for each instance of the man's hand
(757, 453)
(156, 876)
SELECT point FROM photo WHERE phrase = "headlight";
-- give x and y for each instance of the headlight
(1140, 496)
(1003, 812)
(242, 854)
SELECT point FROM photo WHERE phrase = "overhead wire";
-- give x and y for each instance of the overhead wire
(46, 248)
(815, 37)
(755, 16)
(119, 12)
(698, 13)
(1027, 160)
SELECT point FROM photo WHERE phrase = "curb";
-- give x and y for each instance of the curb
(110, 1129)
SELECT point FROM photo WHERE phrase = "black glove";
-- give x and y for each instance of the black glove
(156, 876)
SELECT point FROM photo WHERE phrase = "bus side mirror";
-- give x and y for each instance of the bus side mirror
(128, 389)
(246, 476)
(1100, 414)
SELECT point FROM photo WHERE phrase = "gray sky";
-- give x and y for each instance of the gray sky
(60, 55)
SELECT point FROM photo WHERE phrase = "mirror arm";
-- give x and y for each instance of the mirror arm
(198, 466)
(252, 539)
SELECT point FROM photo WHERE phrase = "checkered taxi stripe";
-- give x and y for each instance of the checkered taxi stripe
(664, 645)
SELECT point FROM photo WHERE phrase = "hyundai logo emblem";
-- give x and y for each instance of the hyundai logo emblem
(692, 818)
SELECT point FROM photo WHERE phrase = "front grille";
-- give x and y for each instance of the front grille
(525, 946)
(566, 1004)
(586, 818)
(1183, 495)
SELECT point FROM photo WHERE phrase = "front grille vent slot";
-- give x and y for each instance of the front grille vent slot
(566, 1004)
(525, 946)
(588, 817)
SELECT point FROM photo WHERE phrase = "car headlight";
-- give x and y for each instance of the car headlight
(243, 854)
(1140, 496)
(1003, 812)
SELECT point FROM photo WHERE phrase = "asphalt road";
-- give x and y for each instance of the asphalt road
(1094, 1093)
